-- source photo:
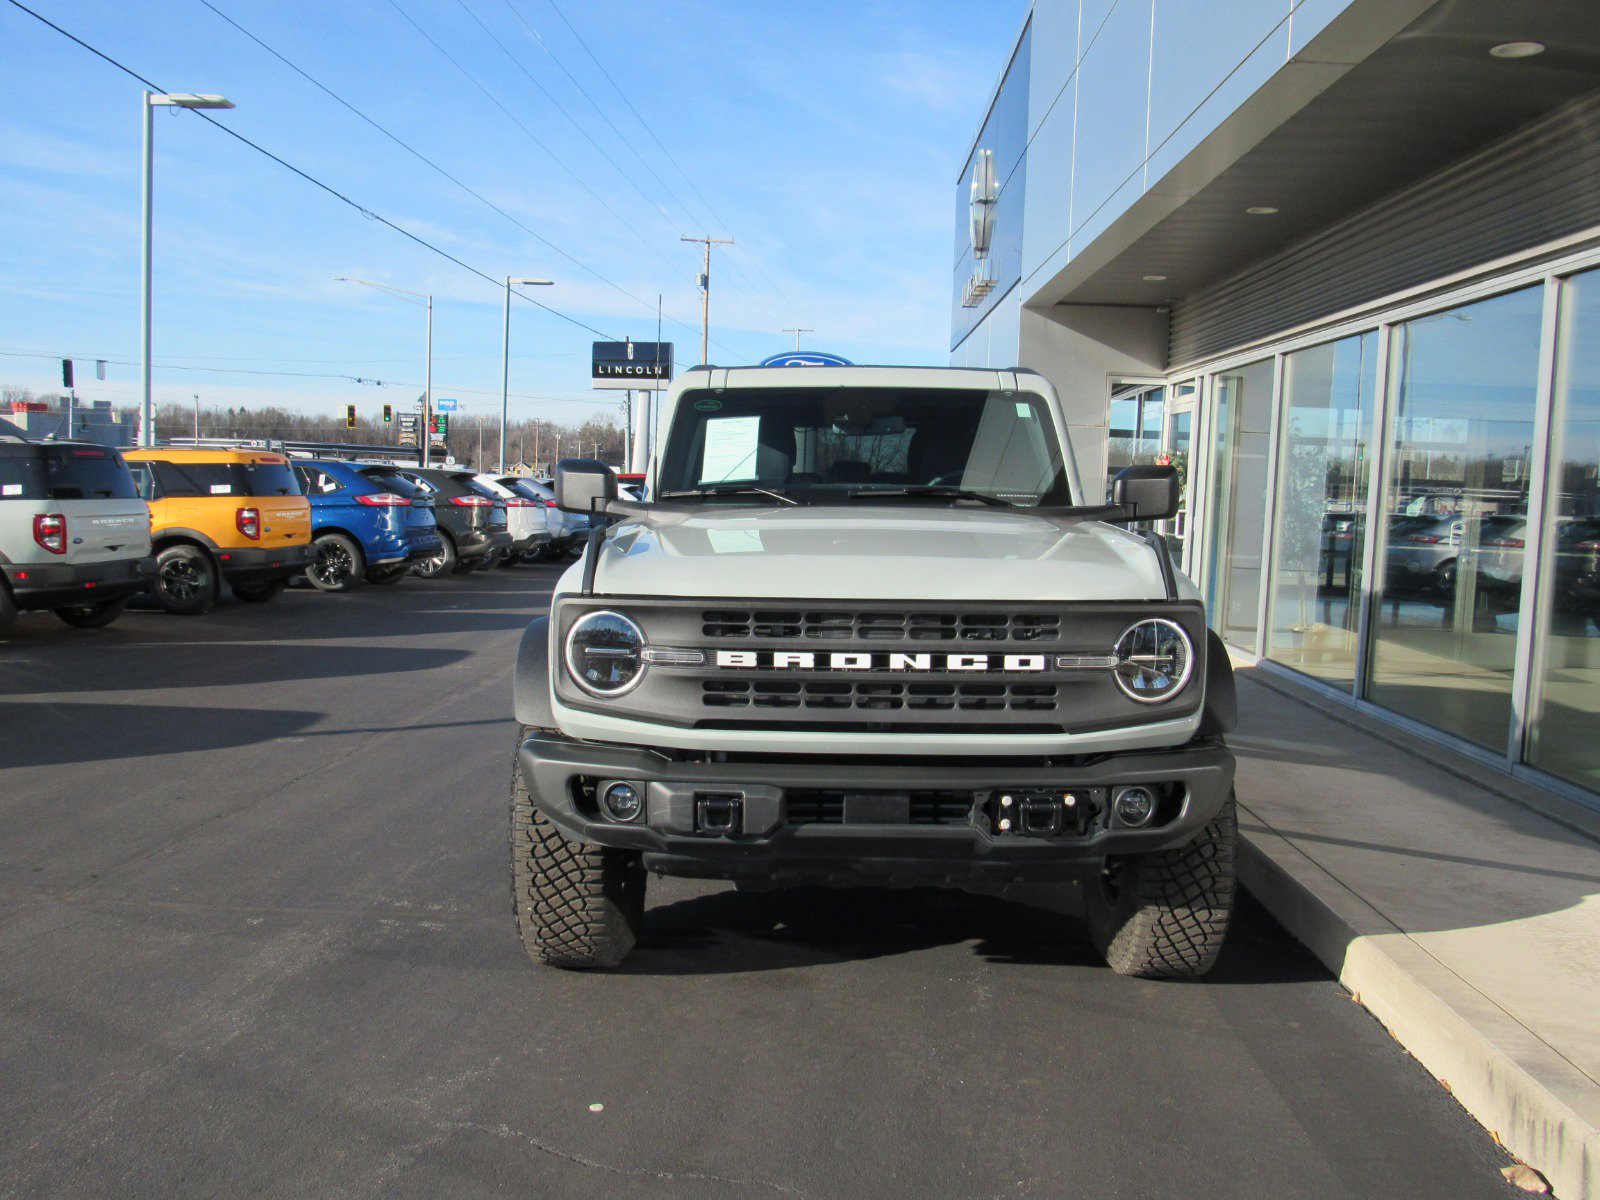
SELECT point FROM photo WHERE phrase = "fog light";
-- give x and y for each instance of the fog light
(622, 801)
(1134, 805)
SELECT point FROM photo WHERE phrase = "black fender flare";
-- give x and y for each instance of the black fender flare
(531, 683)
(1221, 713)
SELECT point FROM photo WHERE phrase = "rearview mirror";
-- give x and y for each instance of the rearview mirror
(583, 485)
(1147, 493)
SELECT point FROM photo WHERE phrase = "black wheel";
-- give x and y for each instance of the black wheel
(92, 616)
(534, 556)
(387, 575)
(490, 561)
(578, 906)
(337, 564)
(440, 563)
(8, 611)
(260, 593)
(186, 580)
(465, 566)
(1164, 915)
(508, 559)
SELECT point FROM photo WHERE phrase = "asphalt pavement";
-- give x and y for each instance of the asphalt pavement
(255, 941)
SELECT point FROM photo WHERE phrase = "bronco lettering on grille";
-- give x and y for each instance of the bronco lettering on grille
(806, 660)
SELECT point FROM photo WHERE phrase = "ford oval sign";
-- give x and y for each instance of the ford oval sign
(805, 358)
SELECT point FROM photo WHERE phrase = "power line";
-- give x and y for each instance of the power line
(625, 140)
(174, 366)
(288, 166)
(667, 154)
(515, 120)
(414, 152)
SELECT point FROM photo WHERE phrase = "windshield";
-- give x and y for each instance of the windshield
(396, 483)
(528, 489)
(824, 444)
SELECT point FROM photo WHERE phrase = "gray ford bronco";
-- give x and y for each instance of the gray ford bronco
(869, 630)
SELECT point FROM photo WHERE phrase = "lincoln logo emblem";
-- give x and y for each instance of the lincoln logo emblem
(807, 660)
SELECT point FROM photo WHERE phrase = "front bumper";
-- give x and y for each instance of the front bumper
(60, 585)
(871, 834)
(261, 565)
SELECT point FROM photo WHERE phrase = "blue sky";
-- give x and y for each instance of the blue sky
(828, 137)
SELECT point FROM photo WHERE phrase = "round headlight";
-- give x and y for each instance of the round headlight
(605, 653)
(1154, 661)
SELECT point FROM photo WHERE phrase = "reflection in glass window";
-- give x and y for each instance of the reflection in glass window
(1133, 434)
(1563, 738)
(1457, 490)
(1238, 492)
(1321, 512)
(1176, 455)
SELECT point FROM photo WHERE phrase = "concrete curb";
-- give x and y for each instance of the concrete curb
(1537, 1104)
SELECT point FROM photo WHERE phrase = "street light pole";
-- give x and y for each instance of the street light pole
(147, 432)
(797, 333)
(505, 359)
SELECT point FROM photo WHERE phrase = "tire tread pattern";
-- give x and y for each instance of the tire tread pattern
(1173, 915)
(577, 905)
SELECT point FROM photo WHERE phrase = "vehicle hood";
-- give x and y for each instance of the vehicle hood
(877, 552)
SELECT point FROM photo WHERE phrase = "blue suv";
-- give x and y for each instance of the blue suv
(363, 530)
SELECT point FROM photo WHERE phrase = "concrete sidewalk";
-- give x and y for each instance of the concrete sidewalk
(1463, 917)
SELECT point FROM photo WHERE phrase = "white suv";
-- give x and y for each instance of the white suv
(870, 629)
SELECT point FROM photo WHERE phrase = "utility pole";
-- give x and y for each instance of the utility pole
(797, 333)
(705, 291)
(197, 418)
(535, 463)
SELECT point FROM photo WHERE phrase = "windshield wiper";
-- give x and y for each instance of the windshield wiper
(743, 489)
(932, 492)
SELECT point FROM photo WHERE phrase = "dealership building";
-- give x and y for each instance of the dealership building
(1339, 263)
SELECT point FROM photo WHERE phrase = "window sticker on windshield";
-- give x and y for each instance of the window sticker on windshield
(735, 541)
(730, 451)
(221, 489)
(1024, 410)
(11, 489)
(708, 404)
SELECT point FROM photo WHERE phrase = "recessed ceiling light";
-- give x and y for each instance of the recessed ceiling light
(1155, 278)
(1517, 49)
(1261, 210)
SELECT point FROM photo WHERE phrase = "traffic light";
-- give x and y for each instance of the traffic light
(349, 416)
(66, 373)
(388, 413)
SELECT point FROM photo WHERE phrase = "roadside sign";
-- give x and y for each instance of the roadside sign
(408, 429)
(445, 404)
(641, 366)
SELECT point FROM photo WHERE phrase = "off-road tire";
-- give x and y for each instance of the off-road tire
(92, 616)
(1164, 915)
(578, 906)
(259, 593)
(440, 564)
(186, 581)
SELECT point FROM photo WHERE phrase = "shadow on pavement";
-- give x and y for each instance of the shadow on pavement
(49, 734)
(732, 932)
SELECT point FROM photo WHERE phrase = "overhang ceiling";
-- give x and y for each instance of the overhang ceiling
(1415, 102)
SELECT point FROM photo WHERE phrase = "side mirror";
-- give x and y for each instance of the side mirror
(583, 485)
(1147, 493)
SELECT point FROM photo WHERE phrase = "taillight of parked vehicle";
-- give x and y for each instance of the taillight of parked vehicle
(50, 531)
(550, 504)
(513, 503)
(1424, 539)
(1507, 543)
(384, 500)
(472, 501)
(249, 522)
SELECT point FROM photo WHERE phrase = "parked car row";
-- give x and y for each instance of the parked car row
(85, 528)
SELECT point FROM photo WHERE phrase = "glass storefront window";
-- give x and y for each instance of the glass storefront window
(1321, 510)
(1243, 399)
(1179, 442)
(1134, 430)
(1464, 391)
(1567, 681)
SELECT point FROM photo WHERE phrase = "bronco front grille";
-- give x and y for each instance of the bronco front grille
(786, 624)
(884, 696)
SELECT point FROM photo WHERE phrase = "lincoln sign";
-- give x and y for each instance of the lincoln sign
(637, 365)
